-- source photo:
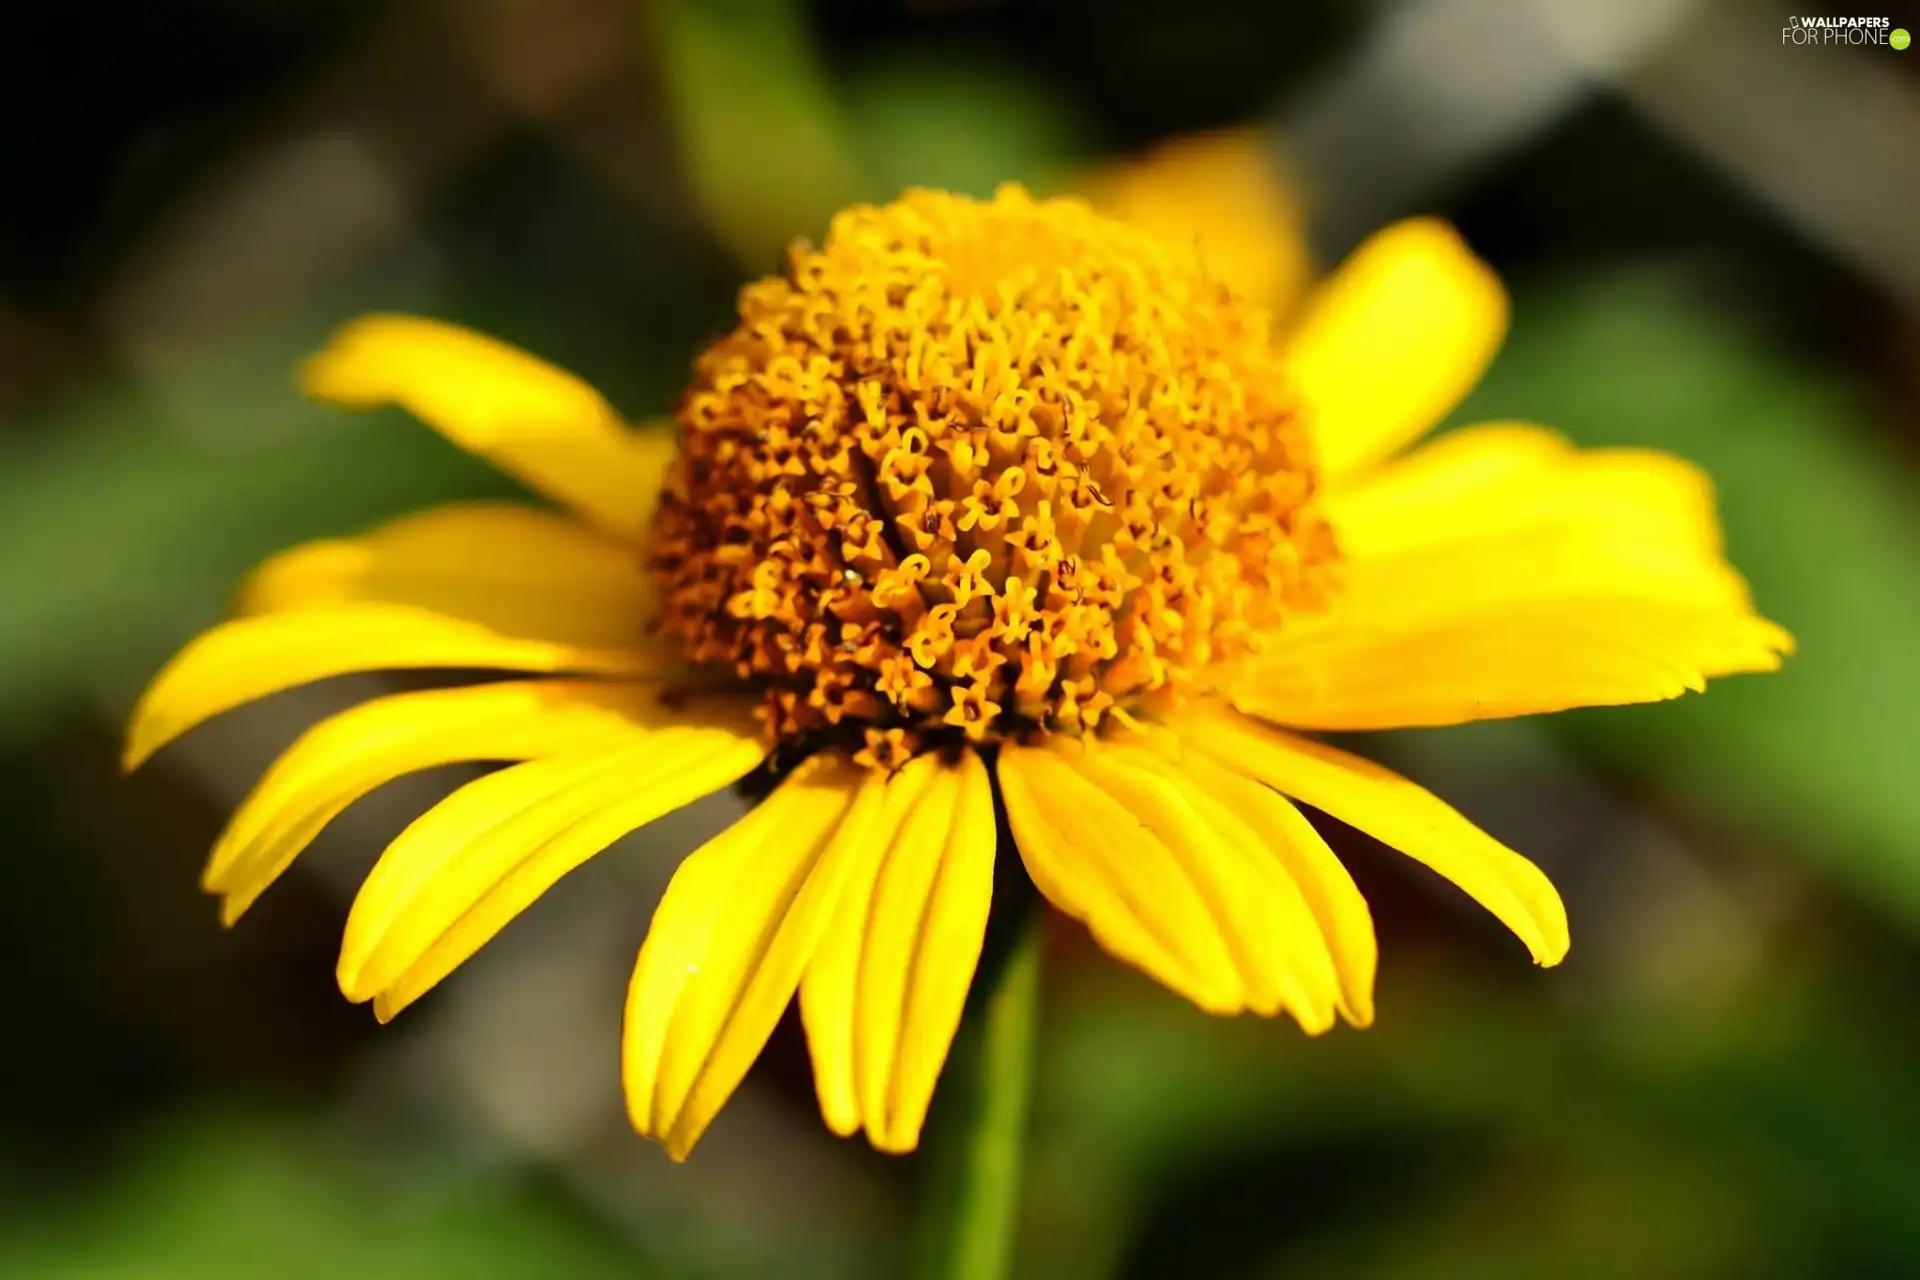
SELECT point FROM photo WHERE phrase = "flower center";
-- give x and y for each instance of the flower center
(985, 469)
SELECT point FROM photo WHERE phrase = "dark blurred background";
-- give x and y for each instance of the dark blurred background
(1710, 238)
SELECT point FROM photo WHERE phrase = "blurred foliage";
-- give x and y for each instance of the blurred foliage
(762, 140)
(124, 538)
(130, 511)
(246, 1197)
(1481, 1133)
(963, 124)
(772, 150)
(1819, 516)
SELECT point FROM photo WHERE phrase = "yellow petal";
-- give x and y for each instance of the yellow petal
(1462, 578)
(925, 927)
(249, 658)
(1392, 810)
(729, 941)
(1393, 340)
(883, 996)
(1602, 652)
(463, 870)
(1095, 861)
(1339, 911)
(1517, 623)
(1259, 911)
(1227, 194)
(513, 569)
(525, 416)
(528, 801)
(1506, 478)
(1441, 488)
(1499, 572)
(348, 755)
(830, 988)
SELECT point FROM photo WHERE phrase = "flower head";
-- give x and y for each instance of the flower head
(985, 470)
(978, 500)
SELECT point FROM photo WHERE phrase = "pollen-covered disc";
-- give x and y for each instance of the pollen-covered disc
(986, 469)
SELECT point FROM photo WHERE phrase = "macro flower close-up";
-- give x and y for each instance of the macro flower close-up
(997, 537)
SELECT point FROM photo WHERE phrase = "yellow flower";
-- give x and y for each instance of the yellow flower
(979, 500)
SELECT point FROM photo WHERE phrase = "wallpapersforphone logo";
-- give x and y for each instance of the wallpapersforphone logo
(1881, 31)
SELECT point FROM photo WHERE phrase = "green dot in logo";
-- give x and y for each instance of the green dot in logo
(1899, 38)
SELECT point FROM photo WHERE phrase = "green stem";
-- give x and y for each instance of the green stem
(967, 1225)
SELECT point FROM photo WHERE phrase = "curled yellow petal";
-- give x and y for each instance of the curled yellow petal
(1340, 912)
(1392, 810)
(249, 658)
(527, 417)
(511, 568)
(729, 942)
(830, 989)
(883, 995)
(1276, 943)
(1095, 861)
(1393, 340)
(347, 755)
(468, 866)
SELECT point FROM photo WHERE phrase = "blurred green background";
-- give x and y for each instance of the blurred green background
(1708, 235)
